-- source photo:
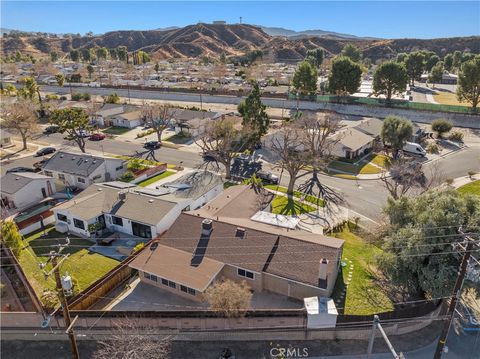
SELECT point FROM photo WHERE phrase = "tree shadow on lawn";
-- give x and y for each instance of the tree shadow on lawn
(289, 207)
(43, 244)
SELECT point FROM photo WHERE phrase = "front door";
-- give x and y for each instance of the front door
(101, 220)
(141, 230)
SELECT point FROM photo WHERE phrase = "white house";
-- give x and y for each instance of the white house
(129, 119)
(351, 143)
(6, 139)
(108, 109)
(192, 122)
(127, 208)
(82, 169)
(20, 190)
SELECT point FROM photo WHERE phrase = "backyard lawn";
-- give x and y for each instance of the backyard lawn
(289, 207)
(179, 139)
(297, 194)
(116, 130)
(363, 296)
(155, 178)
(85, 267)
(448, 98)
(471, 188)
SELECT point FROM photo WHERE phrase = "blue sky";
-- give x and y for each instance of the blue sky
(388, 19)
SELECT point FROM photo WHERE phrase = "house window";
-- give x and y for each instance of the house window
(61, 177)
(81, 180)
(61, 217)
(153, 277)
(146, 275)
(119, 168)
(188, 290)
(48, 173)
(245, 273)
(169, 283)
(78, 223)
(117, 221)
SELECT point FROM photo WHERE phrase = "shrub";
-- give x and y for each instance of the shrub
(87, 96)
(441, 126)
(113, 98)
(145, 133)
(135, 164)
(51, 96)
(228, 297)
(127, 177)
(49, 298)
(456, 136)
(76, 96)
(449, 181)
(138, 247)
(433, 148)
(471, 173)
(12, 237)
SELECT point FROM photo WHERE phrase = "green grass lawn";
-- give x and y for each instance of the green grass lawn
(471, 188)
(85, 267)
(288, 206)
(229, 184)
(364, 167)
(116, 130)
(297, 194)
(363, 295)
(155, 178)
(179, 139)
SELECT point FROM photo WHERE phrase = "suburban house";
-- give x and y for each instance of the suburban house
(370, 126)
(6, 139)
(128, 119)
(20, 190)
(228, 239)
(192, 123)
(108, 109)
(82, 169)
(351, 142)
(127, 208)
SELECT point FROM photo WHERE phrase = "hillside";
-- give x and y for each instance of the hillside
(236, 39)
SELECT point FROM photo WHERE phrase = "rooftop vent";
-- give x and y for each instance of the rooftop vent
(61, 156)
(240, 233)
(150, 201)
(122, 196)
(207, 227)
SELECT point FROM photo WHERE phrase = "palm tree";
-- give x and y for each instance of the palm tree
(32, 89)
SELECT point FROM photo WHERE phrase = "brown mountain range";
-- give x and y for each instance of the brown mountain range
(212, 40)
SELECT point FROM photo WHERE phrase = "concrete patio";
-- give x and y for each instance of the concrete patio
(119, 248)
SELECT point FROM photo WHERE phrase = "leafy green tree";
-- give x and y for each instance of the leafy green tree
(113, 98)
(54, 56)
(418, 255)
(90, 71)
(315, 57)
(345, 77)
(390, 78)
(12, 237)
(75, 55)
(157, 68)
(414, 63)
(254, 116)
(468, 88)
(144, 57)
(467, 56)
(305, 78)
(441, 126)
(122, 53)
(448, 62)
(60, 79)
(457, 60)
(113, 54)
(436, 74)
(401, 57)
(72, 122)
(396, 131)
(352, 52)
(86, 55)
(102, 53)
(431, 62)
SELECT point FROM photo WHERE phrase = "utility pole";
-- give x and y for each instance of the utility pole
(457, 290)
(64, 303)
(376, 324)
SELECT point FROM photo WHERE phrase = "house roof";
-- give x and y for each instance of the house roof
(257, 250)
(187, 115)
(176, 265)
(353, 138)
(13, 182)
(371, 126)
(79, 164)
(130, 116)
(100, 198)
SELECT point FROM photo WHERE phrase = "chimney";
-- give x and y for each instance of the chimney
(207, 227)
(322, 273)
(122, 196)
(240, 233)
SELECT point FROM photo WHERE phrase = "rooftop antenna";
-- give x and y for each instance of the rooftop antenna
(240, 19)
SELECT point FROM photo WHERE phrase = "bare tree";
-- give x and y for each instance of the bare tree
(21, 118)
(221, 141)
(318, 140)
(405, 175)
(158, 117)
(287, 144)
(130, 341)
(229, 297)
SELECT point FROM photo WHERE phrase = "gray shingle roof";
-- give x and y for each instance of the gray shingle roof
(13, 182)
(79, 164)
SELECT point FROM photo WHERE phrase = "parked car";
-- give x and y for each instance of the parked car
(208, 156)
(151, 145)
(267, 177)
(414, 149)
(84, 133)
(96, 137)
(20, 169)
(51, 129)
(45, 151)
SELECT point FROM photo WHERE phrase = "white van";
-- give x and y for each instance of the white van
(414, 149)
